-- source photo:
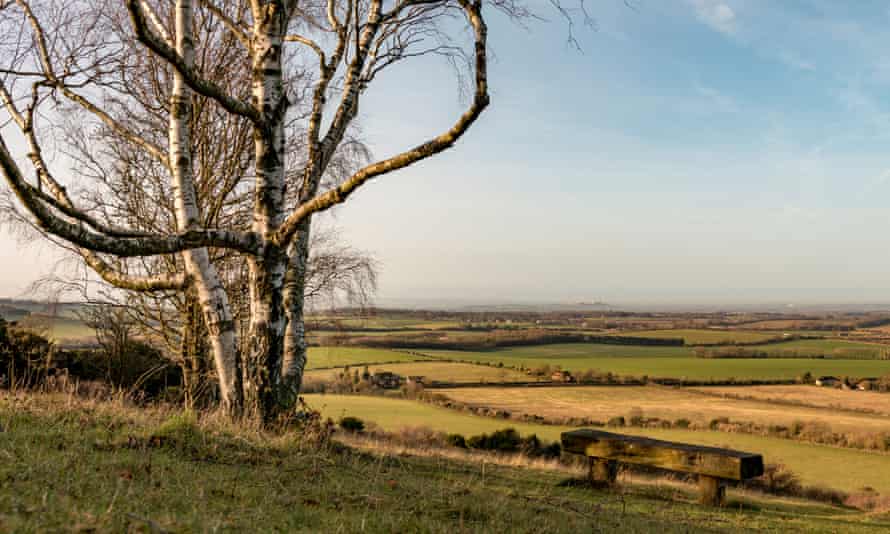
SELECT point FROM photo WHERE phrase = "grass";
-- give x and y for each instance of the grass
(844, 469)
(69, 466)
(830, 398)
(668, 362)
(320, 357)
(438, 371)
(604, 402)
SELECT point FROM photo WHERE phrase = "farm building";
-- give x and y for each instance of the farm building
(386, 380)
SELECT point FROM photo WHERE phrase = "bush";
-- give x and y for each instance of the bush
(616, 421)
(25, 358)
(716, 422)
(506, 440)
(456, 440)
(352, 424)
(682, 423)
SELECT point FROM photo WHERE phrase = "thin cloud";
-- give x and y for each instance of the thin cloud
(720, 101)
(716, 14)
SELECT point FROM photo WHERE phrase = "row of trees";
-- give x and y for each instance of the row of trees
(182, 148)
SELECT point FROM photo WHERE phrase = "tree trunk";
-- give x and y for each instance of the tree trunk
(294, 302)
(211, 294)
(267, 271)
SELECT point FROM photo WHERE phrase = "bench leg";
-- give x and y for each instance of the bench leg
(712, 490)
(602, 472)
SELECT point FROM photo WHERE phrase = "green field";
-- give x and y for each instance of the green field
(815, 464)
(437, 371)
(837, 348)
(60, 329)
(703, 336)
(667, 362)
(342, 356)
(390, 322)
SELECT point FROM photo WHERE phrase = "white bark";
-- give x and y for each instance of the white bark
(267, 271)
(211, 295)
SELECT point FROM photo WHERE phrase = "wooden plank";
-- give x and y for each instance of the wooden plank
(712, 491)
(709, 461)
(602, 472)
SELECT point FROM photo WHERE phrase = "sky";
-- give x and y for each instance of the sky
(691, 151)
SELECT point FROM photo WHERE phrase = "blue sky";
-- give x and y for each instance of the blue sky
(713, 151)
(693, 151)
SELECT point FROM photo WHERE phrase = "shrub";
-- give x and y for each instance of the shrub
(717, 421)
(616, 421)
(682, 423)
(456, 440)
(506, 440)
(352, 424)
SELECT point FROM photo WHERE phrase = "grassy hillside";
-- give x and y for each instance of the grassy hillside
(808, 461)
(83, 467)
(675, 362)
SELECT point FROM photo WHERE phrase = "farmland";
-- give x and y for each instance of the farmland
(706, 336)
(669, 362)
(322, 357)
(829, 398)
(604, 402)
(64, 330)
(807, 460)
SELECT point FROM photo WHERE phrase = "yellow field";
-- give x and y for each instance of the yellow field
(810, 395)
(438, 371)
(603, 402)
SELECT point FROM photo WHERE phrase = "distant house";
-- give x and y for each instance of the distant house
(865, 385)
(386, 380)
(562, 376)
(828, 381)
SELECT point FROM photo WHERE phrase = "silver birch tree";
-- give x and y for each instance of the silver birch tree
(57, 51)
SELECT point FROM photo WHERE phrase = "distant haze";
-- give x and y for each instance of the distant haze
(697, 153)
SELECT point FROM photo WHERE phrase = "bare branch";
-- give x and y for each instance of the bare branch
(442, 142)
(198, 83)
(233, 26)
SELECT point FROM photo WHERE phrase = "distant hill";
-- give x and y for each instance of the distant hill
(15, 309)
(12, 313)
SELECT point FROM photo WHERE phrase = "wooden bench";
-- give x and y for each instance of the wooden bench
(712, 465)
